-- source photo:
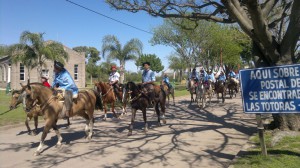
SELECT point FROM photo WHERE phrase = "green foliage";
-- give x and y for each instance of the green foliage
(33, 51)
(133, 77)
(91, 53)
(4, 50)
(284, 154)
(154, 61)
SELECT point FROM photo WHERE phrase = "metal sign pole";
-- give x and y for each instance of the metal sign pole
(260, 128)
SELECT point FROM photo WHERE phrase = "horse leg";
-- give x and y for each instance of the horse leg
(158, 114)
(105, 112)
(113, 110)
(59, 138)
(90, 125)
(35, 118)
(163, 111)
(47, 127)
(173, 96)
(168, 100)
(27, 125)
(145, 120)
(68, 122)
(133, 112)
(223, 99)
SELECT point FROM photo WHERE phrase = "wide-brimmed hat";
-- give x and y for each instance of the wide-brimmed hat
(58, 64)
(148, 63)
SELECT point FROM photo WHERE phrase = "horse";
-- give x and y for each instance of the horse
(220, 88)
(169, 92)
(192, 85)
(84, 106)
(140, 101)
(16, 99)
(108, 96)
(232, 85)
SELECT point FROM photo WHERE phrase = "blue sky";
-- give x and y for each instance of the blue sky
(74, 26)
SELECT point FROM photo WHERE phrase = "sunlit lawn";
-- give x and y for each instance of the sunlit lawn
(285, 154)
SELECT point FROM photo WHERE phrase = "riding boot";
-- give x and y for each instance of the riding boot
(68, 103)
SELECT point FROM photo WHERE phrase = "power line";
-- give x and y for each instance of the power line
(108, 17)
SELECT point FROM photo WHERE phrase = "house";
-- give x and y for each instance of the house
(17, 73)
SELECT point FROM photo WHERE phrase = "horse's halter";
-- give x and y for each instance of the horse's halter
(27, 106)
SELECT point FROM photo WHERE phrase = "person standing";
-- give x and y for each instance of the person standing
(64, 81)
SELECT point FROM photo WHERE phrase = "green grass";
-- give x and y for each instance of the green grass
(285, 153)
(9, 117)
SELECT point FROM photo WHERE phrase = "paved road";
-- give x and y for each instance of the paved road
(192, 137)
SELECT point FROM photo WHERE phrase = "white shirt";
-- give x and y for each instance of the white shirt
(114, 76)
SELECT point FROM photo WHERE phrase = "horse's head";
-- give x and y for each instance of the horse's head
(30, 98)
(16, 98)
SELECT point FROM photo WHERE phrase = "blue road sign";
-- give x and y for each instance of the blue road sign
(271, 89)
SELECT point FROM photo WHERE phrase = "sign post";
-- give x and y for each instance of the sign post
(270, 90)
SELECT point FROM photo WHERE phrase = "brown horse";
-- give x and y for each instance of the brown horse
(108, 96)
(140, 101)
(169, 92)
(51, 107)
(232, 85)
(220, 88)
(16, 99)
(192, 85)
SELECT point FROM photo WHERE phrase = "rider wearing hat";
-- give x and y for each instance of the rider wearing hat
(148, 79)
(167, 81)
(114, 78)
(45, 81)
(64, 81)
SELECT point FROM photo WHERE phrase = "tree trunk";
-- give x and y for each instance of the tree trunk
(122, 74)
(280, 121)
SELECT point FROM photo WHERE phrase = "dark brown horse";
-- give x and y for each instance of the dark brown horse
(220, 88)
(140, 101)
(16, 99)
(233, 86)
(51, 107)
(108, 96)
(169, 92)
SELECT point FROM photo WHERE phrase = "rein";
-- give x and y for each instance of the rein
(43, 106)
(107, 92)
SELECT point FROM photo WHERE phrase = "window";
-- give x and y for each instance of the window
(22, 72)
(45, 72)
(75, 72)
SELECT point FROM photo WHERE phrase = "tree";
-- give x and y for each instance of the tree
(92, 55)
(152, 59)
(177, 63)
(273, 26)
(4, 50)
(33, 51)
(131, 50)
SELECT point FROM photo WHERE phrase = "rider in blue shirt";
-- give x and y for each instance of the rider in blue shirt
(222, 77)
(148, 79)
(194, 75)
(231, 74)
(64, 81)
(167, 81)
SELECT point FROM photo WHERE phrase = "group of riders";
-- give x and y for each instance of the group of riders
(205, 77)
(64, 82)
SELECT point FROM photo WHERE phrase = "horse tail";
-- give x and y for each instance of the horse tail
(98, 104)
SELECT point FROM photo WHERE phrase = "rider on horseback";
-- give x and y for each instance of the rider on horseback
(222, 77)
(64, 81)
(167, 81)
(114, 79)
(231, 74)
(148, 79)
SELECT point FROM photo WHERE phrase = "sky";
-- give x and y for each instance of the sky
(73, 26)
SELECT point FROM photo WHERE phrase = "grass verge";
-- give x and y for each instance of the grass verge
(284, 154)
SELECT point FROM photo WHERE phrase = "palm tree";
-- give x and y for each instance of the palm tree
(33, 51)
(131, 50)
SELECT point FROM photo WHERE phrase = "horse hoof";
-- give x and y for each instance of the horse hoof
(164, 121)
(58, 145)
(104, 119)
(36, 153)
(129, 134)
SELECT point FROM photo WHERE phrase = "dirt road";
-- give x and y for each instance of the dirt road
(192, 137)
